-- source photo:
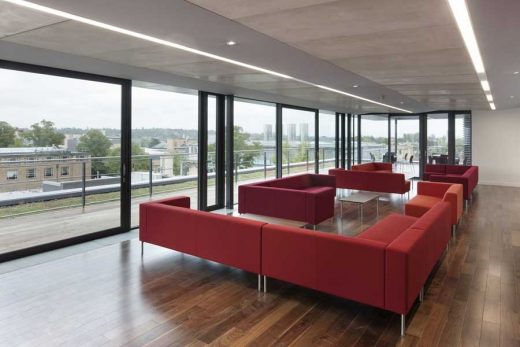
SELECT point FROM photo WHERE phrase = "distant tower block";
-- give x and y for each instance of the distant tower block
(268, 132)
(304, 132)
(291, 132)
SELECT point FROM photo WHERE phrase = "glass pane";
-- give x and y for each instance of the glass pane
(405, 143)
(463, 139)
(355, 135)
(297, 141)
(437, 138)
(212, 153)
(327, 143)
(164, 145)
(374, 139)
(254, 142)
(59, 158)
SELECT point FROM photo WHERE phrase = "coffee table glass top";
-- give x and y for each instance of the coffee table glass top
(359, 197)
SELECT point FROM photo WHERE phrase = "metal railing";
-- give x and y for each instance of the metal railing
(96, 180)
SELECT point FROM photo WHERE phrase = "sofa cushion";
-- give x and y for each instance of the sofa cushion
(317, 190)
(420, 204)
(388, 229)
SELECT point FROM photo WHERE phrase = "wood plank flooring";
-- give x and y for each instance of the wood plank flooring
(109, 296)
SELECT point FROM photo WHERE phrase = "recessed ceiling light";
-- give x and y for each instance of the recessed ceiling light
(489, 97)
(516, 72)
(355, 86)
(159, 41)
(401, 102)
(462, 17)
(512, 96)
(231, 43)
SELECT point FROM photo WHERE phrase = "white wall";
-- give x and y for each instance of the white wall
(496, 146)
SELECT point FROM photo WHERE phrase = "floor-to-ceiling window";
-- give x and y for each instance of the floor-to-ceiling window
(298, 141)
(60, 157)
(254, 142)
(327, 138)
(164, 144)
(437, 138)
(374, 138)
(355, 139)
(462, 139)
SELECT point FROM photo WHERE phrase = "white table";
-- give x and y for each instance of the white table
(360, 198)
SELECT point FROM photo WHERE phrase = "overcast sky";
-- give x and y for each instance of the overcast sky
(27, 98)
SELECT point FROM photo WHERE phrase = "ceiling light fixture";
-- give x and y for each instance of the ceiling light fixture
(492, 105)
(355, 86)
(516, 72)
(489, 97)
(231, 43)
(461, 14)
(153, 39)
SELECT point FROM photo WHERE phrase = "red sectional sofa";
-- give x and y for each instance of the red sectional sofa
(374, 181)
(465, 175)
(307, 197)
(374, 167)
(385, 266)
(228, 240)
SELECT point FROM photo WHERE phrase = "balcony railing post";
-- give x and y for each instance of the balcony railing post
(83, 183)
(236, 168)
(307, 160)
(288, 159)
(150, 183)
(265, 165)
(323, 157)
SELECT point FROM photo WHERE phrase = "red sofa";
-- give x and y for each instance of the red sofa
(307, 197)
(465, 175)
(228, 240)
(385, 266)
(374, 167)
(374, 181)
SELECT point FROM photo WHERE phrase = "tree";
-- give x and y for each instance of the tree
(95, 143)
(44, 134)
(113, 164)
(7, 135)
(245, 150)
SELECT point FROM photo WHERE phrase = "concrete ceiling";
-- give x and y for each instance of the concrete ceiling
(413, 47)
(405, 53)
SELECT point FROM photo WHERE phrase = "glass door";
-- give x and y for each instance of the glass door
(437, 138)
(404, 142)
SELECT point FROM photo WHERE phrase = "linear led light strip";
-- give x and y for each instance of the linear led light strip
(461, 14)
(182, 47)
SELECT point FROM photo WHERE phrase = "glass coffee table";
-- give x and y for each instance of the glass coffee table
(360, 198)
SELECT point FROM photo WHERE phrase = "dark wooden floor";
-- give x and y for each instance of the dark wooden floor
(109, 296)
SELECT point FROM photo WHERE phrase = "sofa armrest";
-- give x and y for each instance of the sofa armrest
(406, 270)
(323, 180)
(454, 195)
(274, 202)
(384, 166)
(435, 189)
(179, 201)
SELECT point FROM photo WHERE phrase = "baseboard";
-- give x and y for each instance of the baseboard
(498, 183)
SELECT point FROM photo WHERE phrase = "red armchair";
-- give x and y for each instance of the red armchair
(307, 197)
(431, 193)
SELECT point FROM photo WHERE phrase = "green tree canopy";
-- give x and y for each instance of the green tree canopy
(95, 143)
(138, 164)
(245, 150)
(44, 134)
(7, 135)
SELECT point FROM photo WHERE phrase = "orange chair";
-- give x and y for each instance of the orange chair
(430, 193)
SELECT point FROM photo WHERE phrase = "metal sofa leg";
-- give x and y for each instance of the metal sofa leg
(142, 249)
(403, 324)
(259, 282)
(265, 284)
(421, 295)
